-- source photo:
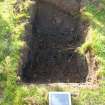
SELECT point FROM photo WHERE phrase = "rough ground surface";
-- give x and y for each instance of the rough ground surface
(55, 37)
(68, 6)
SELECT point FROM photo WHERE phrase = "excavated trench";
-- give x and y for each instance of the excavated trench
(51, 55)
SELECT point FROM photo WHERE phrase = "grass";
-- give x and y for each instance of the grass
(95, 13)
(11, 31)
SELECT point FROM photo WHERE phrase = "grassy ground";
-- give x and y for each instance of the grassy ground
(11, 31)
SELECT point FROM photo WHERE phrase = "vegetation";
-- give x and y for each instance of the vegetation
(95, 13)
(11, 31)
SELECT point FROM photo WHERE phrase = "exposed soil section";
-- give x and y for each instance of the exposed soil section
(51, 56)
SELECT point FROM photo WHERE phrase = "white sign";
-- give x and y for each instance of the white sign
(59, 98)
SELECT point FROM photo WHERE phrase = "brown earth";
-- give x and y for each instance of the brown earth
(50, 55)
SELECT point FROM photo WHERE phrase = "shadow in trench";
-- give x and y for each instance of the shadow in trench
(52, 55)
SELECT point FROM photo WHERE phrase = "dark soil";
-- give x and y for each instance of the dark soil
(52, 56)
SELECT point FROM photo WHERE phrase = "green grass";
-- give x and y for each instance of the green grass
(11, 31)
(92, 97)
(95, 13)
(10, 43)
